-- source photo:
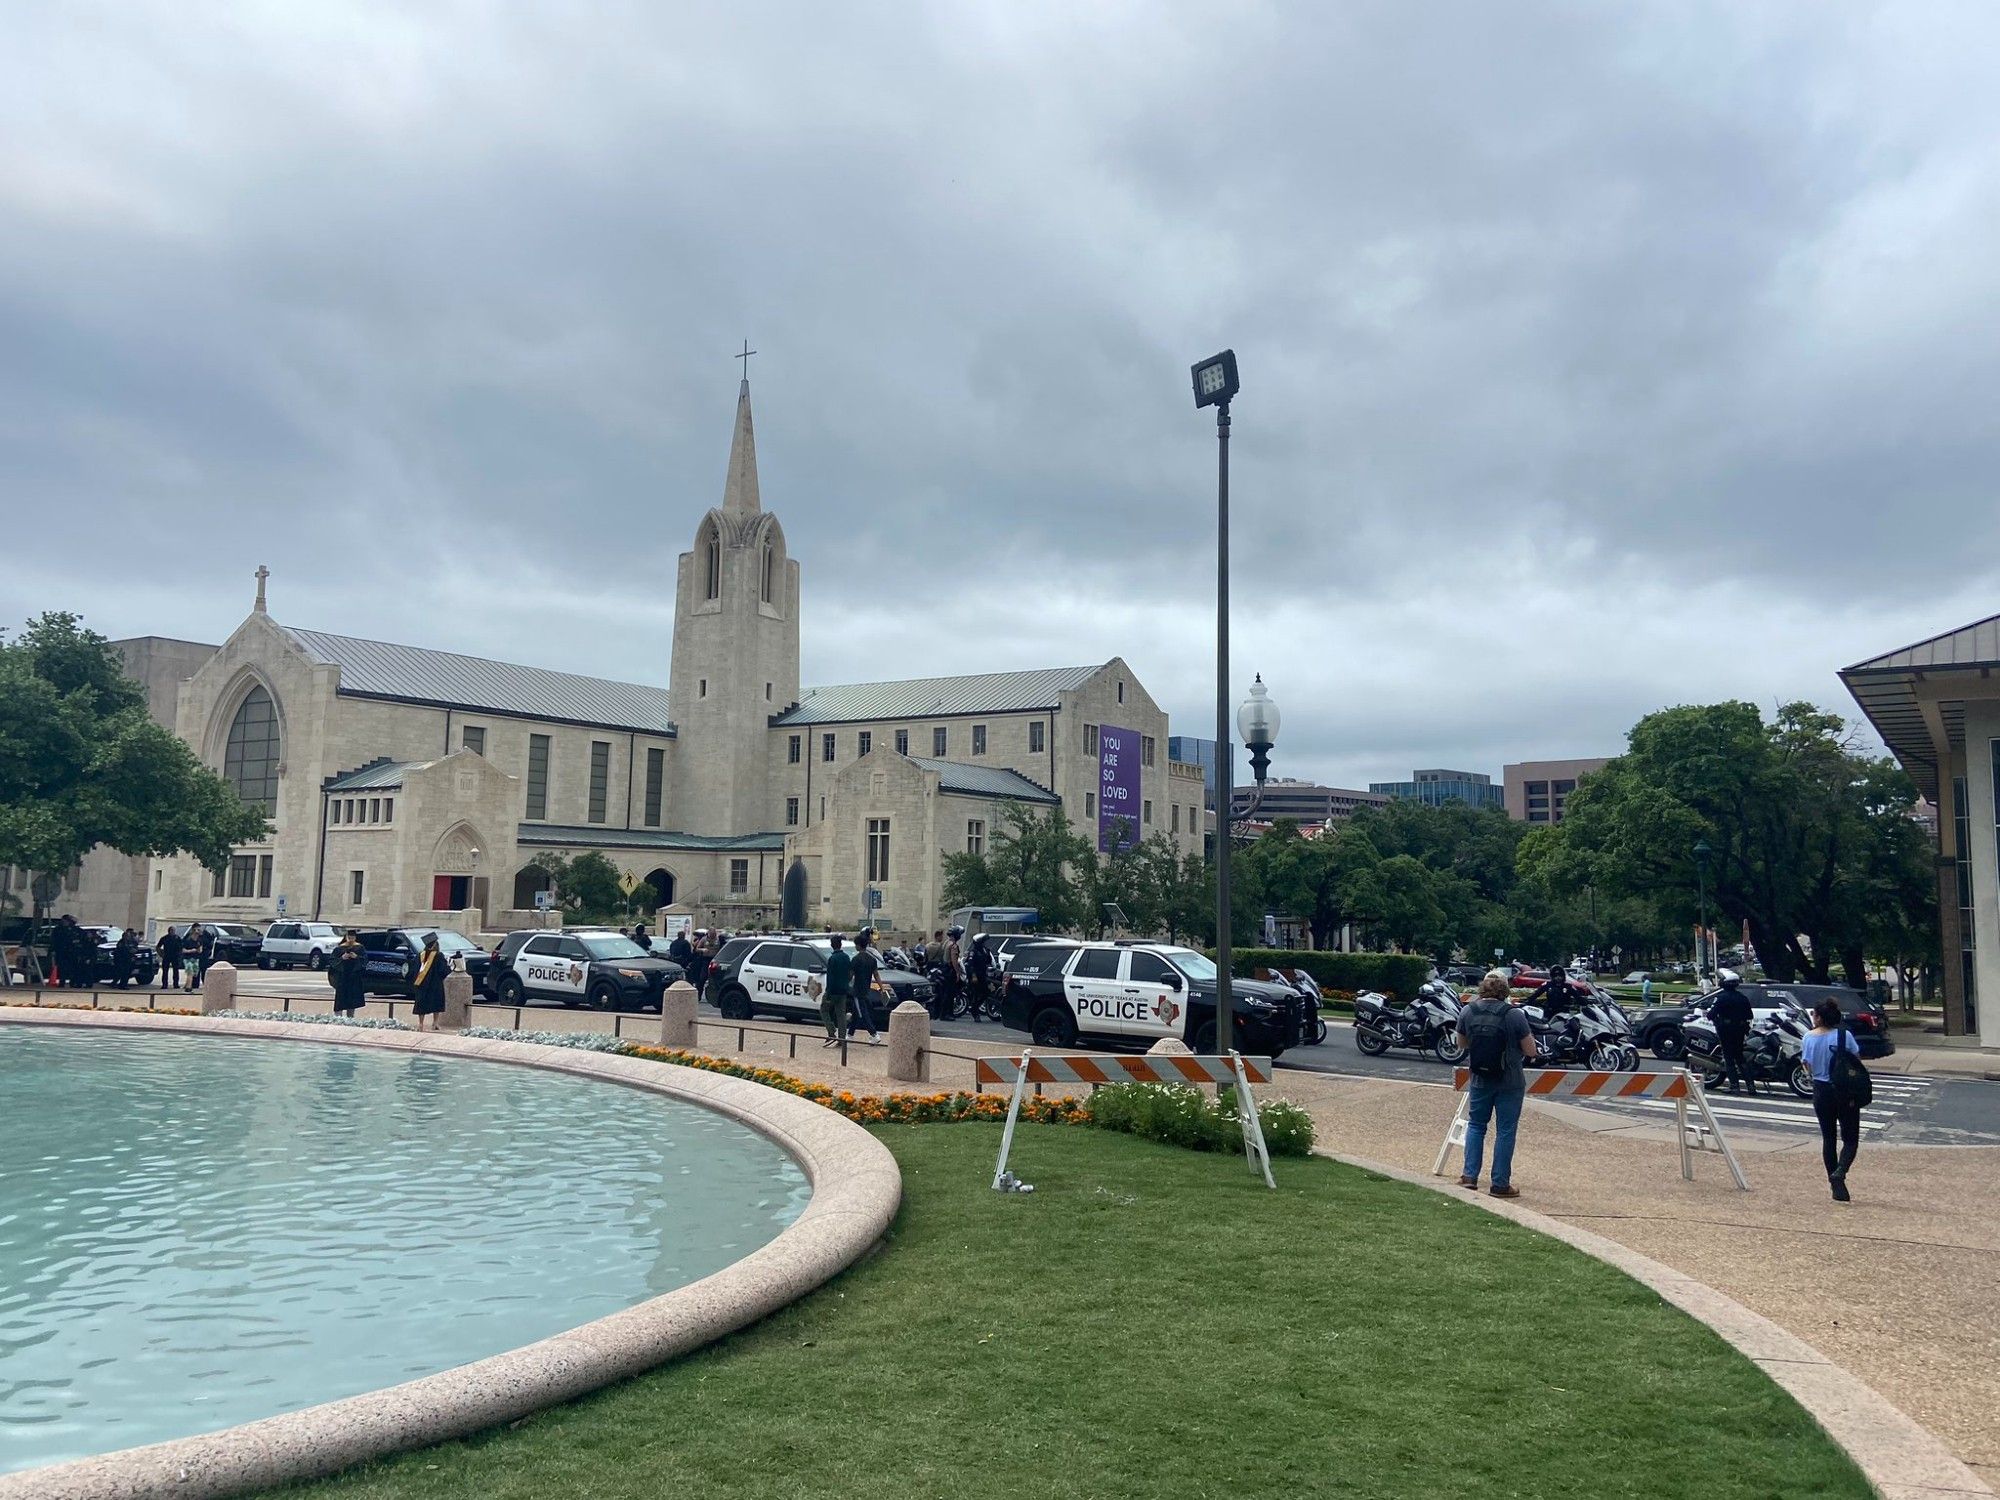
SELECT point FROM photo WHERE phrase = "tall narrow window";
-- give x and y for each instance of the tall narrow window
(1146, 815)
(770, 570)
(656, 773)
(1090, 804)
(250, 756)
(826, 747)
(878, 849)
(473, 738)
(263, 877)
(600, 778)
(938, 740)
(357, 883)
(388, 809)
(242, 875)
(1177, 817)
(1090, 739)
(902, 742)
(978, 739)
(1145, 749)
(975, 835)
(792, 749)
(333, 811)
(739, 877)
(864, 742)
(374, 809)
(538, 776)
(791, 812)
(711, 553)
(215, 884)
(1035, 740)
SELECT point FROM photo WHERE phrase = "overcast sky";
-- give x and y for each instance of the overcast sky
(1595, 357)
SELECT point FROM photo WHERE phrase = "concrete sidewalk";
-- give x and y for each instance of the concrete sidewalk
(1953, 1057)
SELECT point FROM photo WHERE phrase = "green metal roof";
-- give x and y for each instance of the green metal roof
(594, 836)
(938, 697)
(985, 781)
(377, 776)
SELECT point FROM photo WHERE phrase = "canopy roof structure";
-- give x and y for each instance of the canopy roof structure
(1915, 695)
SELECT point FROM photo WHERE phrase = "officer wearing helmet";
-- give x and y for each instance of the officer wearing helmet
(1730, 1011)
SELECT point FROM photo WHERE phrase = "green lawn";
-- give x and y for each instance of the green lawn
(1152, 1323)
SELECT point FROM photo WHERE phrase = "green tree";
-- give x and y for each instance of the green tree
(1407, 910)
(588, 883)
(1031, 859)
(82, 764)
(1809, 838)
(1181, 891)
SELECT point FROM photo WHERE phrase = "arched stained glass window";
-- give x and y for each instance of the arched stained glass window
(250, 760)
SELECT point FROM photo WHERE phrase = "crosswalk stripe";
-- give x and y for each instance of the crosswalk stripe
(1761, 1117)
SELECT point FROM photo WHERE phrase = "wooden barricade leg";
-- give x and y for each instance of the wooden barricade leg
(1681, 1128)
(1454, 1133)
(1254, 1149)
(1003, 1180)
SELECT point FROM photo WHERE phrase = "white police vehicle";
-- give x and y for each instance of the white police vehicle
(785, 976)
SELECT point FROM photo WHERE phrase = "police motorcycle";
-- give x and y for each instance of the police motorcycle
(1312, 1030)
(1428, 1023)
(1773, 1051)
(1596, 1034)
(949, 997)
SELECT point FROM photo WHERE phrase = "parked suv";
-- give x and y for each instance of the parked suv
(288, 944)
(235, 942)
(145, 963)
(591, 966)
(775, 975)
(1137, 993)
(394, 954)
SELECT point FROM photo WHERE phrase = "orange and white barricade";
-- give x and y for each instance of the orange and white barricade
(1161, 1067)
(1679, 1085)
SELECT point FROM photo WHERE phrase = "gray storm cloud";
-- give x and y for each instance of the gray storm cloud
(1594, 357)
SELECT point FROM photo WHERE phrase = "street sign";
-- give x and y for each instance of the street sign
(544, 900)
(1499, 952)
(628, 883)
(874, 899)
(281, 906)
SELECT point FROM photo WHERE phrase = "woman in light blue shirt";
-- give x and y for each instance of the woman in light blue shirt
(1818, 1048)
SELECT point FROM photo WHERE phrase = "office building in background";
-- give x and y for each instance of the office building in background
(1537, 791)
(1436, 788)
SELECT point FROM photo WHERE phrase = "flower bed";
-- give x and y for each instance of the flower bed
(306, 1018)
(143, 1010)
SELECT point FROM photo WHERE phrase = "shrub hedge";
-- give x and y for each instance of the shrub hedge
(1396, 974)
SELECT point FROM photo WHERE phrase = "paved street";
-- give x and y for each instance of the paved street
(1909, 1109)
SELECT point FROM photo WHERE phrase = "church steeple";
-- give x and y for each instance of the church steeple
(739, 490)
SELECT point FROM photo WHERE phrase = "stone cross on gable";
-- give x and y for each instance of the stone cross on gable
(262, 574)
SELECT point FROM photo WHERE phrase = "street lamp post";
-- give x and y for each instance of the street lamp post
(1701, 854)
(1215, 384)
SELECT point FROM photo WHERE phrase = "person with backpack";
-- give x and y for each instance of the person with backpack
(1841, 1088)
(833, 998)
(1498, 1042)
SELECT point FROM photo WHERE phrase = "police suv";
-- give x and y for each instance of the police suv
(591, 966)
(1137, 993)
(783, 976)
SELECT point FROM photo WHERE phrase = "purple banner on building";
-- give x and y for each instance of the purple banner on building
(1117, 789)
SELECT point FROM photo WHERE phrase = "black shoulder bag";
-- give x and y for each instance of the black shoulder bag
(1853, 1088)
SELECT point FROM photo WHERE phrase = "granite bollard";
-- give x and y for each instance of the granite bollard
(677, 1007)
(457, 1001)
(1170, 1045)
(910, 1043)
(218, 988)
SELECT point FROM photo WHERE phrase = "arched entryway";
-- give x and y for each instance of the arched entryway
(456, 884)
(662, 882)
(793, 900)
(529, 883)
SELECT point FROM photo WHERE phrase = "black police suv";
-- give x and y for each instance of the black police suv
(1137, 993)
(591, 966)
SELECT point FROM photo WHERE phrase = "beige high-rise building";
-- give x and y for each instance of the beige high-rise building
(412, 786)
(1537, 791)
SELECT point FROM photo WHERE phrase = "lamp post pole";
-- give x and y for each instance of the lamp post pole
(1225, 753)
(1701, 853)
(1215, 383)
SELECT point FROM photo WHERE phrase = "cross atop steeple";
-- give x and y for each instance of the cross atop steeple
(262, 574)
(745, 357)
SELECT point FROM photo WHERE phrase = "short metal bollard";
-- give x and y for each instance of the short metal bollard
(910, 1043)
(218, 988)
(457, 1002)
(677, 1010)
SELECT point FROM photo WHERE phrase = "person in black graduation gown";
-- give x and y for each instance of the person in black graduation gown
(349, 963)
(428, 987)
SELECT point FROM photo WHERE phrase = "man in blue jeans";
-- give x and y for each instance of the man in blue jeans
(1498, 1042)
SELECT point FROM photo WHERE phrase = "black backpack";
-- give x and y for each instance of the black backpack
(1486, 1039)
(1853, 1088)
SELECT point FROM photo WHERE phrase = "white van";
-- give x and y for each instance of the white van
(289, 944)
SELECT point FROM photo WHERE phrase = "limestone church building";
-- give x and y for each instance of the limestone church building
(412, 786)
